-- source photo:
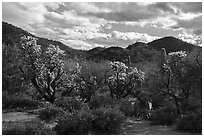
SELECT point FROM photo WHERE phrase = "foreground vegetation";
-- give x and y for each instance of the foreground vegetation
(87, 97)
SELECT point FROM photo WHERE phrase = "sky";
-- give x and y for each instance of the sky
(85, 25)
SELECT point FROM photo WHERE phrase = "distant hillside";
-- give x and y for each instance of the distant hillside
(138, 51)
(112, 53)
(12, 34)
(95, 51)
(171, 44)
(135, 45)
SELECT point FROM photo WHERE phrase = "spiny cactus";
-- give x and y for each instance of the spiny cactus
(129, 61)
(163, 55)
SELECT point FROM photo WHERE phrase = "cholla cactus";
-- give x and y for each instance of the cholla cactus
(124, 79)
(118, 66)
(179, 55)
(43, 69)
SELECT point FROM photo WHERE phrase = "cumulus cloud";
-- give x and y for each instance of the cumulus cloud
(85, 7)
(91, 24)
(128, 12)
(65, 19)
(163, 6)
(80, 34)
(23, 14)
(194, 25)
(80, 44)
(133, 36)
(193, 7)
(53, 5)
(191, 38)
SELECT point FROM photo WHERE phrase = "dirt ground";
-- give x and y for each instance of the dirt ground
(131, 127)
(18, 116)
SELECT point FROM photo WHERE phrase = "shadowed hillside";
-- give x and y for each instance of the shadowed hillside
(171, 44)
(138, 51)
(112, 53)
(12, 34)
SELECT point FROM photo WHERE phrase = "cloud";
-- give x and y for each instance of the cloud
(23, 14)
(94, 23)
(77, 44)
(139, 11)
(53, 5)
(162, 6)
(85, 7)
(80, 44)
(191, 38)
(194, 25)
(65, 19)
(128, 12)
(186, 7)
(133, 36)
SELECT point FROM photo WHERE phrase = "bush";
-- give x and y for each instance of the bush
(126, 107)
(26, 128)
(107, 121)
(190, 122)
(50, 113)
(86, 121)
(19, 102)
(101, 100)
(191, 104)
(164, 116)
(77, 123)
(69, 103)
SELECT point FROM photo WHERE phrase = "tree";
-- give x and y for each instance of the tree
(11, 76)
(44, 69)
(91, 79)
(123, 80)
(179, 75)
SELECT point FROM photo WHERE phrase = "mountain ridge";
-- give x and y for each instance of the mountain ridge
(12, 34)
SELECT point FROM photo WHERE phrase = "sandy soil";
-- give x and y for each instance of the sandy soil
(18, 116)
(131, 127)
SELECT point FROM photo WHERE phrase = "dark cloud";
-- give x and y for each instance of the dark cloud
(193, 7)
(163, 6)
(76, 21)
(123, 16)
(133, 11)
(128, 12)
(194, 24)
(197, 31)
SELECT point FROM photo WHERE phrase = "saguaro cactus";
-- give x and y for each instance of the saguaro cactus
(129, 63)
(163, 57)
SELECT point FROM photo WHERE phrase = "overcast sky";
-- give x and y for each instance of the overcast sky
(89, 25)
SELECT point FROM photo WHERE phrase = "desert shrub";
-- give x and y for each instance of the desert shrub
(19, 102)
(77, 123)
(26, 128)
(86, 121)
(104, 100)
(50, 113)
(191, 104)
(101, 100)
(107, 121)
(164, 116)
(157, 100)
(190, 122)
(126, 107)
(69, 103)
(91, 79)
